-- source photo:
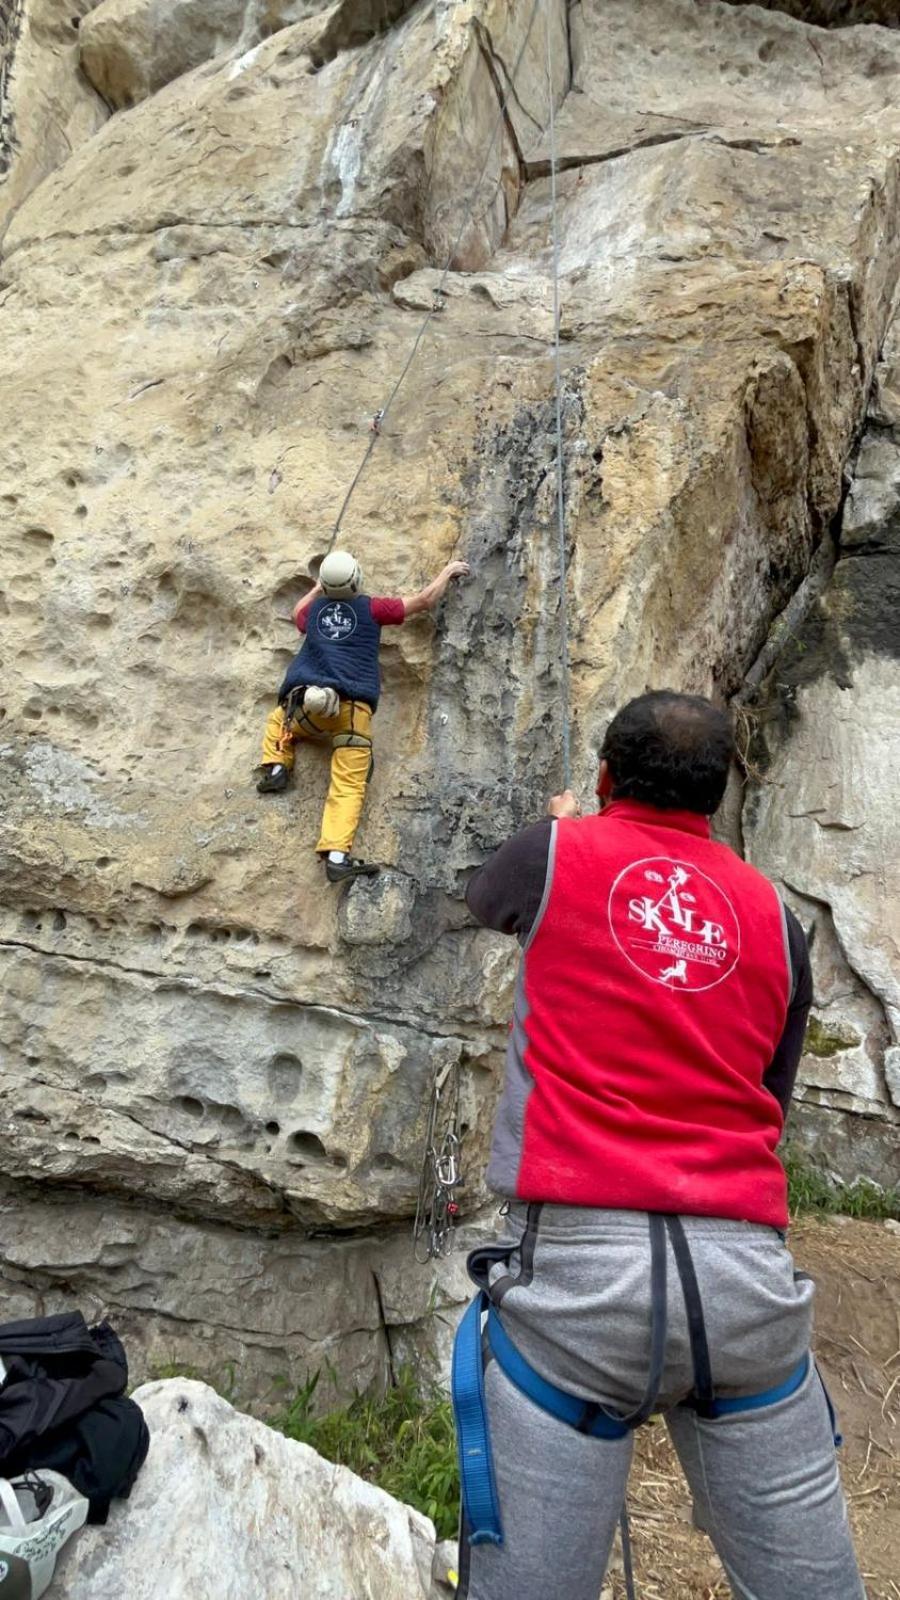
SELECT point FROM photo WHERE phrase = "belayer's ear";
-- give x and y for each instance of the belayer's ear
(604, 781)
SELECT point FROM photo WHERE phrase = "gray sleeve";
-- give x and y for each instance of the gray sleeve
(506, 893)
(781, 1073)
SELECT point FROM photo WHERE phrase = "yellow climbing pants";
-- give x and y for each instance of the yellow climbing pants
(350, 735)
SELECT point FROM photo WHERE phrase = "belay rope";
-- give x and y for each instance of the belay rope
(560, 455)
(624, 1527)
(377, 423)
(437, 1206)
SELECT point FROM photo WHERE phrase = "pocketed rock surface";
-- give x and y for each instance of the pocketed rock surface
(220, 230)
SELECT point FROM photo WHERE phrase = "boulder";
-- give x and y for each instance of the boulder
(224, 1508)
(131, 48)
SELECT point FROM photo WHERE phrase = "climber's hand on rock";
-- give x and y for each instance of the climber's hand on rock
(564, 805)
(434, 591)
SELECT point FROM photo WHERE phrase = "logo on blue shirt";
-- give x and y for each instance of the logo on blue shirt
(336, 622)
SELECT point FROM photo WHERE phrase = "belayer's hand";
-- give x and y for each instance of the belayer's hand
(564, 805)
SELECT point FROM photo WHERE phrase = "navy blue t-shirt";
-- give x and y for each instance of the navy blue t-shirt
(340, 650)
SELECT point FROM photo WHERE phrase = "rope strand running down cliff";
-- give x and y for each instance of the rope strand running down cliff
(381, 415)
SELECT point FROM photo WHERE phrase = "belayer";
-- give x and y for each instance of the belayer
(330, 693)
(659, 1020)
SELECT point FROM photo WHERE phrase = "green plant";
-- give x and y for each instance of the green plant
(811, 1190)
(823, 1041)
(176, 1369)
(403, 1441)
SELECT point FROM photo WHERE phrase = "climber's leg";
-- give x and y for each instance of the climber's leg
(560, 1493)
(278, 741)
(767, 1491)
(351, 766)
(278, 744)
(277, 755)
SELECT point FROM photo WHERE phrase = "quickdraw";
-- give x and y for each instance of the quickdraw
(289, 706)
(437, 1206)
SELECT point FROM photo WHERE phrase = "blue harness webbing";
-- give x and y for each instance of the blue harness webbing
(559, 1403)
(473, 1441)
(482, 1520)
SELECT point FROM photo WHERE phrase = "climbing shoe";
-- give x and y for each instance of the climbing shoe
(274, 778)
(350, 867)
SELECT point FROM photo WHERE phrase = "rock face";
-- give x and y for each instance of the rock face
(225, 1507)
(46, 107)
(833, 13)
(823, 819)
(131, 48)
(201, 309)
(257, 1312)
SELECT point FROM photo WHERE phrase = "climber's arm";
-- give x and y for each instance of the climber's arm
(781, 1072)
(428, 597)
(506, 893)
(301, 609)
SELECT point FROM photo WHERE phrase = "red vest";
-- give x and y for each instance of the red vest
(653, 991)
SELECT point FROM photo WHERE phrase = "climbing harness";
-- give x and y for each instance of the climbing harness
(437, 1206)
(482, 1522)
(290, 706)
(294, 709)
(437, 306)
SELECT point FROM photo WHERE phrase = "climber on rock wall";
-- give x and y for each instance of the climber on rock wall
(659, 1021)
(330, 693)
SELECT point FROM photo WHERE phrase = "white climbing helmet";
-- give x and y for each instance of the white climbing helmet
(340, 575)
(38, 1513)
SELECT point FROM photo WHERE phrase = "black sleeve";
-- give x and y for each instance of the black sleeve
(506, 893)
(781, 1072)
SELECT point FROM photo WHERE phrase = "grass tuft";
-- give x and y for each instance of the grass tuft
(811, 1190)
(402, 1441)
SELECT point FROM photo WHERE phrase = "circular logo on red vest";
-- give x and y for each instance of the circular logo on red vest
(674, 924)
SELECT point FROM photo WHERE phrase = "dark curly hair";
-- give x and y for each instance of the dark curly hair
(670, 750)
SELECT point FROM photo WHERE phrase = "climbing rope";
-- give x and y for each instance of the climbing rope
(437, 1206)
(560, 461)
(437, 306)
(624, 1528)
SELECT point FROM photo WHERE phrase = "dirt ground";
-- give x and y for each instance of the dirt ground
(856, 1266)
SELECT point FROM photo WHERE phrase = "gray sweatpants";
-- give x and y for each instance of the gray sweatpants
(575, 1298)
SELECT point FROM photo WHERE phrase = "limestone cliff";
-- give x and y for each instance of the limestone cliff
(214, 1073)
(822, 817)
